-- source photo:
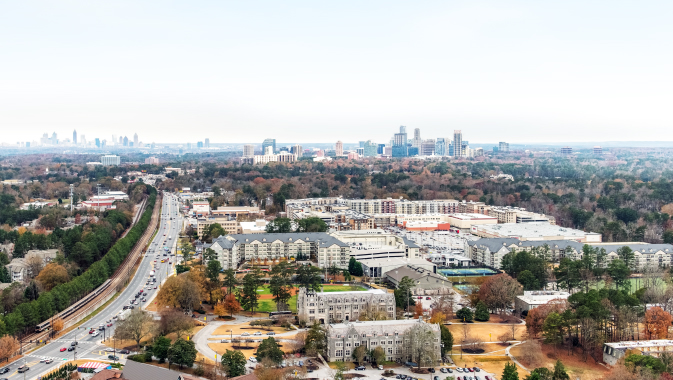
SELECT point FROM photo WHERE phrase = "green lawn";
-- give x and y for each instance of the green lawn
(341, 288)
(267, 306)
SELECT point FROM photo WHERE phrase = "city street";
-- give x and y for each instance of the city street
(88, 346)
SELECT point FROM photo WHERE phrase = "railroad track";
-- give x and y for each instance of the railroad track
(107, 289)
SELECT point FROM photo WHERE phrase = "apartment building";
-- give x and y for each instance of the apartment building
(394, 336)
(236, 211)
(110, 160)
(379, 242)
(334, 307)
(229, 224)
(325, 249)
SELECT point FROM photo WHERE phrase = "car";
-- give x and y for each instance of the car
(132, 307)
(470, 369)
(271, 333)
(436, 378)
(113, 357)
(124, 308)
(380, 367)
(420, 297)
(124, 352)
(95, 334)
(431, 370)
(73, 343)
(450, 370)
(224, 341)
(48, 361)
(109, 350)
(253, 359)
(443, 370)
(459, 378)
(459, 369)
(476, 369)
(71, 348)
(487, 377)
(360, 368)
(23, 368)
(62, 349)
(247, 334)
(256, 333)
(428, 298)
(4, 370)
(109, 325)
(155, 286)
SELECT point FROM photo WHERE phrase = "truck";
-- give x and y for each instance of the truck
(123, 314)
(151, 273)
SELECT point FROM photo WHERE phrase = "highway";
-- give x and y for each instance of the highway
(89, 346)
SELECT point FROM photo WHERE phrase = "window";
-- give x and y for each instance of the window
(390, 350)
(339, 353)
(390, 342)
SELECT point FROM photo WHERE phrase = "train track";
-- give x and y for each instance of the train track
(103, 293)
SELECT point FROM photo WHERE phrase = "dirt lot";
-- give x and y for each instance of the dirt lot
(220, 348)
(245, 327)
(494, 364)
(487, 332)
(575, 365)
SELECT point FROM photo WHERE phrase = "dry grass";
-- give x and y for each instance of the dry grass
(575, 366)
(482, 331)
(493, 364)
(249, 351)
(245, 327)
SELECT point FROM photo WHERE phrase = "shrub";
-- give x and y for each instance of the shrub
(140, 358)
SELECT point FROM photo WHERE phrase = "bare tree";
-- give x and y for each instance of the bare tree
(531, 353)
(35, 265)
(445, 304)
(298, 342)
(137, 325)
(175, 321)
(421, 343)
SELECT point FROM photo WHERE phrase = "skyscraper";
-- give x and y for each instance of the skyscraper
(199, 144)
(125, 142)
(458, 143)
(74, 137)
(416, 142)
(207, 143)
(97, 142)
(369, 149)
(440, 146)
(269, 142)
(503, 147)
(135, 140)
(427, 147)
(339, 148)
(400, 144)
(248, 150)
(403, 129)
(297, 149)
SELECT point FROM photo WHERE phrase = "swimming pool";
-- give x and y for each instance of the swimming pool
(467, 272)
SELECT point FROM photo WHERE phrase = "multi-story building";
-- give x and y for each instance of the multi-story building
(297, 150)
(152, 161)
(503, 147)
(334, 307)
(458, 143)
(74, 137)
(598, 150)
(369, 149)
(230, 225)
(416, 142)
(400, 143)
(110, 160)
(322, 247)
(271, 143)
(248, 150)
(427, 147)
(135, 140)
(566, 150)
(441, 146)
(207, 143)
(396, 337)
(339, 148)
(535, 231)
(532, 299)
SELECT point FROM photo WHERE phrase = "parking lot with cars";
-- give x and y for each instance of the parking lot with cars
(404, 373)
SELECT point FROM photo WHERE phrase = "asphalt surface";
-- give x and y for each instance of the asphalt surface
(89, 346)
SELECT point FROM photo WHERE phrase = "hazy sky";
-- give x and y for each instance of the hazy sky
(320, 71)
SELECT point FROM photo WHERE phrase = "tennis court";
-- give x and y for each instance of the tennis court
(467, 272)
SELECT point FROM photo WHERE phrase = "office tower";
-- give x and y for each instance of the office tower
(189, 146)
(416, 142)
(400, 144)
(83, 140)
(360, 151)
(427, 147)
(369, 149)
(125, 142)
(440, 146)
(199, 145)
(339, 148)
(97, 142)
(121, 141)
(268, 150)
(135, 140)
(207, 143)
(269, 142)
(458, 143)
(74, 137)
(380, 148)
(103, 143)
(248, 150)
(403, 129)
(114, 139)
(297, 150)
(503, 147)
(54, 138)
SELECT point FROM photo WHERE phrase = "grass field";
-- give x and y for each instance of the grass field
(266, 303)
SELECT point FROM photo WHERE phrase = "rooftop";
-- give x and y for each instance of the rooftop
(472, 216)
(536, 229)
(378, 327)
(541, 297)
(641, 344)
(393, 261)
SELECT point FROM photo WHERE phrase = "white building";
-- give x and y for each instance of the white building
(331, 307)
(532, 299)
(377, 268)
(535, 231)
(110, 160)
(614, 351)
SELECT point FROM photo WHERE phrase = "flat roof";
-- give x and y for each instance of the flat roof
(641, 344)
(542, 297)
(471, 216)
(535, 229)
(394, 260)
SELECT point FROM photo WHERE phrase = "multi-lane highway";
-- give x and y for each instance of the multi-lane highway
(89, 345)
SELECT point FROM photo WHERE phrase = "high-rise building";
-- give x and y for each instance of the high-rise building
(248, 150)
(503, 147)
(83, 140)
(269, 142)
(458, 143)
(199, 145)
(125, 141)
(297, 150)
(403, 129)
(400, 144)
(416, 142)
(74, 137)
(369, 149)
(110, 160)
(361, 144)
(440, 146)
(189, 146)
(380, 148)
(97, 142)
(339, 148)
(54, 139)
(135, 140)
(121, 140)
(103, 143)
(427, 147)
(207, 144)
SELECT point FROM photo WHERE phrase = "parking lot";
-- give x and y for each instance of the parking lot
(436, 241)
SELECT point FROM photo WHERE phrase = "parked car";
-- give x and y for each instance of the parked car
(257, 333)
(380, 367)
(271, 333)
(4, 370)
(247, 334)
(360, 368)
(443, 370)
(113, 357)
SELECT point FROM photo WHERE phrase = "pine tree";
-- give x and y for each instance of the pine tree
(510, 372)
(481, 313)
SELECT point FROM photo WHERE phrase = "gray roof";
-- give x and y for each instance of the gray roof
(640, 247)
(410, 243)
(223, 242)
(494, 244)
(413, 272)
(380, 328)
(139, 371)
(324, 239)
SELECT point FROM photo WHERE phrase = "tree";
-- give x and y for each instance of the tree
(136, 326)
(231, 304)
(233, 363)
(418, 311)
(359, 354)
(560, 371)
(437, 317)
(553, 329)
(536, 317)
(249, 296)
(174, 321)
(280, 285)
(57, 325)
(308, 277)
(270, 349)
(316, 340)
(52, 275)
(540, 374)
(378, 355)
(626, 215)
(230, 280)
(465, 315)
(354, 267)
(498, 292)
(213, 275)
(160, 348)
(311, 224)
(9, 345)
(279, 225)
(627, 255)
(403, 293)
(212, 232)
(180, 291)
(444, 304)
(4, 275)
(657, 322)
(528, 280)
(447, 339)
(619, 271)
(182, 353)
(510, 373)
(481, 313)
(420, 345)
(35, 265)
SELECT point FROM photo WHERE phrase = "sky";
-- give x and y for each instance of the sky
(321, 71)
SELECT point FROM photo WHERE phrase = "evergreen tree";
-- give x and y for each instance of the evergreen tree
(355, 267)
(182, 353)
(4, 275)
(510, 372)
(160, 348)
(447, 339)
(249, 296)
(234, 363)
(465, 315)
(269, 349)
(560, 371)
(481, 313)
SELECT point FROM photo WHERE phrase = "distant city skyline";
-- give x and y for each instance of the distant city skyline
(518, 71)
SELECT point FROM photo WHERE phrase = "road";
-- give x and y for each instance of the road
(90, 346)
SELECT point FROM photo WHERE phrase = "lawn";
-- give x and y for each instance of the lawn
(268, 305)
(342, 288)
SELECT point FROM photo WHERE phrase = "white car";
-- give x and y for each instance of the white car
(96, 333)
(253, 359)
